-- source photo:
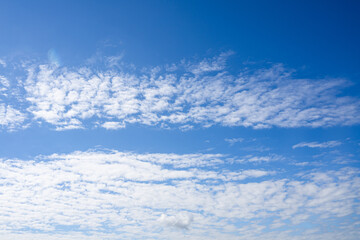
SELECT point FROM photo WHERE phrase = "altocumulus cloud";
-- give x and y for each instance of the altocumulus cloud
(185, 95)
(104, 195)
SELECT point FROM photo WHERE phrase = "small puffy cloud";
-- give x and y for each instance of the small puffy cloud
(329, 144)
(182, 220)
(113, 125)
(256, 173)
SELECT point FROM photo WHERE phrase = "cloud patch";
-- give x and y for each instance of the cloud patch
(182, 220)
(187, 95)
(11, 118)
(155, 195)
(232, 141)
(113, 125)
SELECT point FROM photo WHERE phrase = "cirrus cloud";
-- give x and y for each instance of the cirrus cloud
(329, 144)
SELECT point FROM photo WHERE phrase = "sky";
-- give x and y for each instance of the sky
(179, 120)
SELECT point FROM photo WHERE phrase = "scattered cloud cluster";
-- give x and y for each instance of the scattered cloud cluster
(104, 195)
(10, 118)
(183, 96)
(329, 144)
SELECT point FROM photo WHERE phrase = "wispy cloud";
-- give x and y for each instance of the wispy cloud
(2, 63)
(232, 141)
(154, 195)
(329, 144)
(260, 158)
(215, 64)
(53, 57)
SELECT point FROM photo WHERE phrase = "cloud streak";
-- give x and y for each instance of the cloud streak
(329, 144)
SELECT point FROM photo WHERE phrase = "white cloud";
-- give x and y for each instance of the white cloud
(115, 60)
(4, 85)
(329, 144)
(2, 63)
(217, 63)
(182, 220)
(259, 158)
(4, 81)
(186, 127)
(11, 118)
(232, 141)
(98, 195)
(113, 125)
(191, 94)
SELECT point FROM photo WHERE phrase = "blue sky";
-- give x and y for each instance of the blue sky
(179, 120)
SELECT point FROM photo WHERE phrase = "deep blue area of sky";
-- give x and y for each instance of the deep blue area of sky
(320, 38)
